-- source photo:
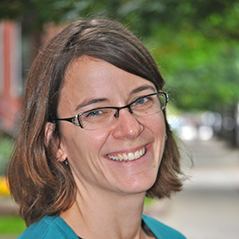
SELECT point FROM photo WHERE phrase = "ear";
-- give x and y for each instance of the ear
(49, 128)
(57, 148)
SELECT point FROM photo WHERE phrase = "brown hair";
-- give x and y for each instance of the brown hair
(38, 182)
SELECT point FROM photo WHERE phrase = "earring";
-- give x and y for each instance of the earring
(65, 161)
(166, 136)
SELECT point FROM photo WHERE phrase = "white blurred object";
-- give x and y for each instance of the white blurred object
(188, 133)
(205, 132)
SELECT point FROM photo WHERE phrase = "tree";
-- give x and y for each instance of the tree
(201, 73)
(213, 17)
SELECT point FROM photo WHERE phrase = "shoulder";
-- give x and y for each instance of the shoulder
(48, 227)
(160, 230)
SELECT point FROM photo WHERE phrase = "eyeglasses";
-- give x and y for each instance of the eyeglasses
(105, 116)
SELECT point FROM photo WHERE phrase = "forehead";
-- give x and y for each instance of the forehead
(90, 74)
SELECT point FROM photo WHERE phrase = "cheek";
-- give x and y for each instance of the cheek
(84, 152)
(80, 144)
(157, 125)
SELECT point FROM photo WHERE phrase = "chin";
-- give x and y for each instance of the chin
(139, 185)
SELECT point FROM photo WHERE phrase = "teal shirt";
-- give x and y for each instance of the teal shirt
(55, 227)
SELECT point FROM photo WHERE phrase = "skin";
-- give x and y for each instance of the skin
(110, 194)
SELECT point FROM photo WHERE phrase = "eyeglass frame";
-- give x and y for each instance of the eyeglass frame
(77, 117)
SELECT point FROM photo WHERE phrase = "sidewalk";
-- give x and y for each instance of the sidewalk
(208, 207)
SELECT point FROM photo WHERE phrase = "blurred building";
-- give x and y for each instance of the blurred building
(18, 48)
(10, 74)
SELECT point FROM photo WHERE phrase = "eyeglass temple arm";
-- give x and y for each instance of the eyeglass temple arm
(73, 120)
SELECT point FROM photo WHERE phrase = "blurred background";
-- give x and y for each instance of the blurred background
(196, 46)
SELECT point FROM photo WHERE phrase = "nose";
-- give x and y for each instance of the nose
(127, 126)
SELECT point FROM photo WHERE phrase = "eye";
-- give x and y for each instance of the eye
(93, 113)
(142, 101)
(96, 115)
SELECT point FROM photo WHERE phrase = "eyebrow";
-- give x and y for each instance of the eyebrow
(142, 88)
(90, 102)
(99, 100)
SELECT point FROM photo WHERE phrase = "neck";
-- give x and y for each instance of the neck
(106, 215)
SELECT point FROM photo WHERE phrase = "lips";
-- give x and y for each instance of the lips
(128, 156)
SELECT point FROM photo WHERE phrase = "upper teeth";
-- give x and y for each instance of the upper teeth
(128, 157)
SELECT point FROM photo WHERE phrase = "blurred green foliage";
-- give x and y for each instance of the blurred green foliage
(200, 73)
(6, 146)
(213, 17)
(11, 225)
(194, 42)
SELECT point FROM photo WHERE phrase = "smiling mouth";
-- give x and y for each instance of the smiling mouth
(128, 156)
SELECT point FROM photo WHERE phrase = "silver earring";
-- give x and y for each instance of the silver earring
(166, 136)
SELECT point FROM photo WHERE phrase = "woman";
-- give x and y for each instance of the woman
(94, 139)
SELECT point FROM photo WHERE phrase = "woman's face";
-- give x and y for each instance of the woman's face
(92, 83)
